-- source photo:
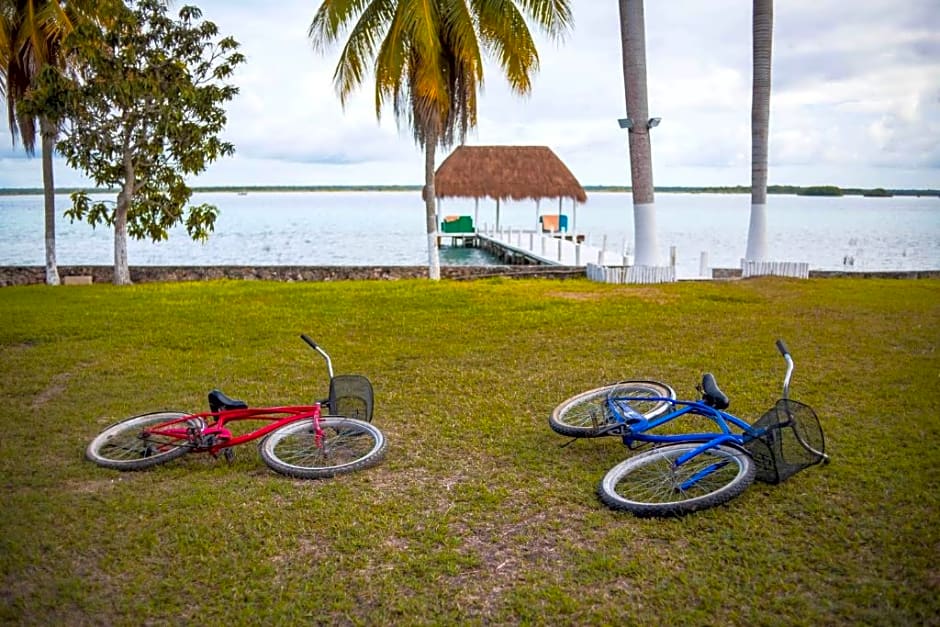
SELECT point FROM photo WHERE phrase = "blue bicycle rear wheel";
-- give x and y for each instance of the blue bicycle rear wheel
(586, 414)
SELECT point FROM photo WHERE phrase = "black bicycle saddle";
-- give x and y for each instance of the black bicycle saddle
(712, 394)
(218, 400)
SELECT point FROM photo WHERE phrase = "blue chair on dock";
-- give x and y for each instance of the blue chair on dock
(554, 223)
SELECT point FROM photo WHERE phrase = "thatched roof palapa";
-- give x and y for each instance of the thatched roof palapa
(506, 172)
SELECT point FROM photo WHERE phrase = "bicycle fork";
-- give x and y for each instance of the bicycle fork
(707, 470)
(319, 436)
(701, 474)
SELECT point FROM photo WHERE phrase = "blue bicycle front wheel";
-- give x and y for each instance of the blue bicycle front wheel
(654, 484)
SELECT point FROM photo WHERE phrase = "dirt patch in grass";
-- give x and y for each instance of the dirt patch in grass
(646, 294)
(109, 480)
(56, 387)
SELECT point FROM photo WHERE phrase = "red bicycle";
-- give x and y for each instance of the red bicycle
(298, 441)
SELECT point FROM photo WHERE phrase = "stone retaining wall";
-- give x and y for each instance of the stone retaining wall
(33, 275)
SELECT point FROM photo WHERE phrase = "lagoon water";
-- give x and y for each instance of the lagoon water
(387, 228)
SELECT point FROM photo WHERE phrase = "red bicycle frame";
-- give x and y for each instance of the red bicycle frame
(214, 436)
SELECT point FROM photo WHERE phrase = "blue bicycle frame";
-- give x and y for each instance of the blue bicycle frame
(638, 427)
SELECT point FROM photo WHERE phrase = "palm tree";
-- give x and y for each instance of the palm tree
(32, 33)
(633, 38)
(427, 57)
(762, 34)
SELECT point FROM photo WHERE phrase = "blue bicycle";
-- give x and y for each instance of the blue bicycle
(690, 470)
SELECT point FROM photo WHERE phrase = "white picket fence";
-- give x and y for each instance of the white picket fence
(794, 269)
(631, 274)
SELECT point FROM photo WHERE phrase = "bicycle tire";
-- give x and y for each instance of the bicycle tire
(582, 414)
(349, 445)
(648, 484)
(121, 446)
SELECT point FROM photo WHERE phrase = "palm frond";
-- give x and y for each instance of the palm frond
(392, 63)
(421, 20)
(331, 21)
(366, 22)
(427, 55)
(32, 36)
(506, 36)
(552, 16)
(458, 31)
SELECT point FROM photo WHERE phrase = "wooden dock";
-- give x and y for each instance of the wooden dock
(531, 247)
(520, 246)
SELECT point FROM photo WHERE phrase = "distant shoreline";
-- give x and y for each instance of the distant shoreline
(739, 189)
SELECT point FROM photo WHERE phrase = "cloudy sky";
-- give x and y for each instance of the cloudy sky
(855, 102)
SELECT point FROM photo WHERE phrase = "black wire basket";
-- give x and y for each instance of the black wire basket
(788, 438)
(351, 396)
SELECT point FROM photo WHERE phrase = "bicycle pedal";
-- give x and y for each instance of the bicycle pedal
(229, 454)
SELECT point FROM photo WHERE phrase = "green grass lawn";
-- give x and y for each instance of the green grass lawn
(478, 514)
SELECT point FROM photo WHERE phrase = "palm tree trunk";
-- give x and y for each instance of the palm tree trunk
(48, 132)
(763, 33)
(633, 39)
(430, 197)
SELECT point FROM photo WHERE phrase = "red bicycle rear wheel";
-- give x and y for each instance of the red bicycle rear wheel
(129, 445)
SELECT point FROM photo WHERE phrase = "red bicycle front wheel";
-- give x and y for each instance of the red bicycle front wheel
(347, 445)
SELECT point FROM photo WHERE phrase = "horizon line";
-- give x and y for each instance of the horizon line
(771, 189)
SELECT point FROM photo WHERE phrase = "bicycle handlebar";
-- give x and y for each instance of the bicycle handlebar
(782, 347)
(313, 345)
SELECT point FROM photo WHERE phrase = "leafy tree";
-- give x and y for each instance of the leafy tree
(146, 109)
(32, 33)
(427, 57)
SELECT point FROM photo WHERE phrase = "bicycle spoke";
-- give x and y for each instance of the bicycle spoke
(337, 448)
(344, 445)
(664, 482)
(138, 442)
(702, 474)
(589, 413)
(136, 447)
